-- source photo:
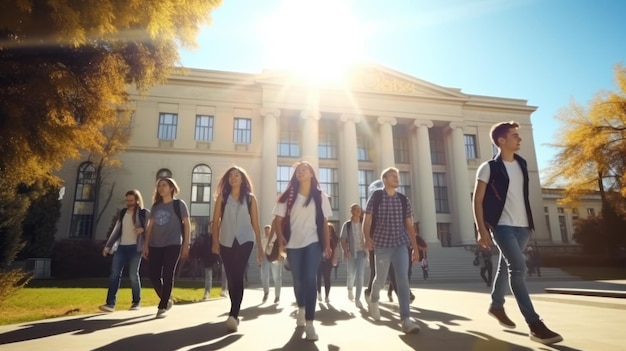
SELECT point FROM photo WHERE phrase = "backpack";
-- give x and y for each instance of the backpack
(377, 198)
(180, 218)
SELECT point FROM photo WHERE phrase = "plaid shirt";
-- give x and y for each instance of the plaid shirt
(390, 228)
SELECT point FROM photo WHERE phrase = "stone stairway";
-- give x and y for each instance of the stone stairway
(446, 264)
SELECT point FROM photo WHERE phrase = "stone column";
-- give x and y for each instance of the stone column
(350, 162)
(310, 137)
(270, 162)
(387, 157)
(428, 216)
(463, 191)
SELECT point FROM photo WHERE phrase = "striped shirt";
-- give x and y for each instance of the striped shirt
(390, 228)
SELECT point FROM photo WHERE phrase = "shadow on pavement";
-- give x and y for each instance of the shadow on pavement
(81, 325)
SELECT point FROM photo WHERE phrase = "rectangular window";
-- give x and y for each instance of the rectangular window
(366, 177)
(283, 175)
(441, 193)
(400, 144)
(327, 140)
(167, 126)
(560, 210)
(437, 153)
(470, 147)
(242, 132)
(405, 184)
(362, 148)
(289, 138)
(204, 128)
(329, 182)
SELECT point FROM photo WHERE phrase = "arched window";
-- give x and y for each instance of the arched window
(201, 199)
(82, 214)
(164, 173)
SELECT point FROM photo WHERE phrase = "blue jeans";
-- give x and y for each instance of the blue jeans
(356, 270)
(276, 268)
(125, 254)
(208, 279)
(384, 257)
(511, 242)
(304, 264)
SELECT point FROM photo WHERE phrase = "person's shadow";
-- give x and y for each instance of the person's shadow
(80, 326)
(298, 343)
(329, 315)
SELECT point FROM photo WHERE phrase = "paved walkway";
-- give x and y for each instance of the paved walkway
(452, 317)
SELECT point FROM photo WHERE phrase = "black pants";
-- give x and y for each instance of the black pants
(372, 272)
(324, 271)
(486, 273)
(162, 263)
(235, 261)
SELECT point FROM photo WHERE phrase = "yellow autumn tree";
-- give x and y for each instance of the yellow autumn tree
(65, 66)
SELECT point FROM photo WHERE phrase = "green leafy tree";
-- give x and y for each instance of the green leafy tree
(65, 67)
(39, 226)
(592, 156)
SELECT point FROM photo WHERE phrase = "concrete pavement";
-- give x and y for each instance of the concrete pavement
(452, 317)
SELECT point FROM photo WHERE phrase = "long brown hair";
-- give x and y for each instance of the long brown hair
(294, 184)
(138, 200)
(224, 188)
(157, 198)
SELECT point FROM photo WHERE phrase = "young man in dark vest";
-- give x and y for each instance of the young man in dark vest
(502, 212)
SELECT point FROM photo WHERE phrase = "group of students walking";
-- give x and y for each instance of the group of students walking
(382, 235)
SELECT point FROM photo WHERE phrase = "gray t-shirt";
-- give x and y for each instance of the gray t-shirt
(167, 229)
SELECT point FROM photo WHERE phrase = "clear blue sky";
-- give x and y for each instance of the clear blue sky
(543, 51)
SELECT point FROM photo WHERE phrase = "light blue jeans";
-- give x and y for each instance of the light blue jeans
(356, 270)
(384, 257)
(304, 264)
(511, 242)
(276, 268)
(125, 254)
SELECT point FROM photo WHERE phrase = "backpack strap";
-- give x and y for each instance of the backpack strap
(180, 218)
(248, 201)
(377, 197)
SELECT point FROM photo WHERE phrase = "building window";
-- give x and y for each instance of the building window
(547, 214)
(470, 147)
(329, 182)
(204, 128)
(242, 132)
(563, 228)
(437, 153)
(560, 210)
(400, 144)
(405, 184)
(167, 126)
(362, 148)
(441, 193)
(283, 175)
(366, 177)
(327, 148)
(591, 212)
(201, 184)
(289, 139)
(163, 173)
(443, 234)
(84, 195)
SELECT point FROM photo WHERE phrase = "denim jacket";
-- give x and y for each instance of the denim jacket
(497, 188)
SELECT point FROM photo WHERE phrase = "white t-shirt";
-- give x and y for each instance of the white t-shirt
(302, 220)
(514, 213)
(128, 230)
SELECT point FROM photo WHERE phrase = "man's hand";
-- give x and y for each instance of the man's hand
(484, 239)
(369, 244)
(105, 251)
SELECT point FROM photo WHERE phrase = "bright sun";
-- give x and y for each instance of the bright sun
(317, 40)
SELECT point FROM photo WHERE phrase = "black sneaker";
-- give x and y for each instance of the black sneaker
(500, 315)
(541, 334)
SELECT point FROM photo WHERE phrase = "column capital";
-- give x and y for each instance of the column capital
(382, 120)
(423, 123)
(267, 111)
(345, 117)
(455, 125)
(312, 114)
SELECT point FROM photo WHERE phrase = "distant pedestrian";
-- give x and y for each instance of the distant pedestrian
(235, 229)
(302, 213)
(502, 211)
(167, 240)
(267, 267)
(127, 238)
(483, 260)
(354, 252)
(327, 264)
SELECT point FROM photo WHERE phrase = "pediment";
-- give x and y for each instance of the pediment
(374, 79)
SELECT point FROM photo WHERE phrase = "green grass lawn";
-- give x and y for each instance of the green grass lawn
(43, 299)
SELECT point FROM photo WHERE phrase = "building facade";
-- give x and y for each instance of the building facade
(561, 220)
(200, 123)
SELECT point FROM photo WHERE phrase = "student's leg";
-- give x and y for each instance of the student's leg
(400, 260)
(156, 257)
(327, 267)
(133, 272)
(277, 275)
(120, 257)
(383, 261)
(265, 276)
(359, 267)
(171, 254)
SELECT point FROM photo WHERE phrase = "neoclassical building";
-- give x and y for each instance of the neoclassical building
(200, 123)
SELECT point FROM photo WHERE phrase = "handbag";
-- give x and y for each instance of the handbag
(272, 252)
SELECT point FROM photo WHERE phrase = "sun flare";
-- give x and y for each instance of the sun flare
(316, 40)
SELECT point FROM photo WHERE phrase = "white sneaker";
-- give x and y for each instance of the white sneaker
(358, 304)
(319, 297)
(206, 296)
(223, 293)
(300, 321)
(327, 299)
(161, 313)
(170, 303)
(374, 311)
(350, 295)
(231, 324)
(409, 327)
(309, 330)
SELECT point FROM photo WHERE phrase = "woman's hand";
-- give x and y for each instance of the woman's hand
(105, 251)
(146, 252)
(185, 252)
(215, 248)
(259, 255)
(328, 252)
